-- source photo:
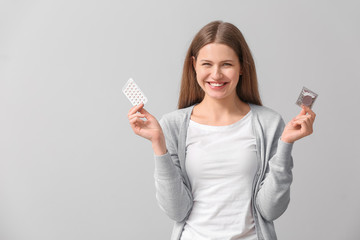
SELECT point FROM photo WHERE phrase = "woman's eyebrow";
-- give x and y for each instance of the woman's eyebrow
(204, 60)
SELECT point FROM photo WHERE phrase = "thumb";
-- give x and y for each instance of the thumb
(303, 111)
(146, 113)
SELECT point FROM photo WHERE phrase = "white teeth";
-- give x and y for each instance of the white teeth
(217, 84)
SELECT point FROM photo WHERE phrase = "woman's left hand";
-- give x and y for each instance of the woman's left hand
(300, 126)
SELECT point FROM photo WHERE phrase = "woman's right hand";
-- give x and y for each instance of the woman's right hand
(149, 129)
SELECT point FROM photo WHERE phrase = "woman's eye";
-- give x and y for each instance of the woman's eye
(208, 64)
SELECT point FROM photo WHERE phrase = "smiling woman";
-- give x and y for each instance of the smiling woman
(223, 164)
(217, 71)
(218, 48)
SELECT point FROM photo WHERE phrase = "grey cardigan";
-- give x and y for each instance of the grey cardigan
(271, 185)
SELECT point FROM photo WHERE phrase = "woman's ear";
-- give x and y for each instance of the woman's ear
(193, 61)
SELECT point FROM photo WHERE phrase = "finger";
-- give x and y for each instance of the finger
(302, 112)
(298, 121)
(305, 124)
(302, 117)
(309, 126)
(135, 109)
(310, 112)
(305, 118)
(146, 113)
(295, 121)
(131, 111)
(306, 127)
(135, 121)
(136, 115)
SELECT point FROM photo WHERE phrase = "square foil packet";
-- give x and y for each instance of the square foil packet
(306, 97)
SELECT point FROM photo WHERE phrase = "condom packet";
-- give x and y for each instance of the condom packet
(306, 97)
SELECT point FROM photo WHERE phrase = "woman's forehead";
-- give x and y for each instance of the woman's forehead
(217, 52)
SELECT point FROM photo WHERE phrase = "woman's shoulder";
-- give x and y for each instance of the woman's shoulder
(265, 113)
(175, 118)
(177, 115)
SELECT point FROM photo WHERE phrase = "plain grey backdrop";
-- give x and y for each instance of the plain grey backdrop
(70, 165)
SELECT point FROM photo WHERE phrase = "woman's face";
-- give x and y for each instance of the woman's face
(217, 70)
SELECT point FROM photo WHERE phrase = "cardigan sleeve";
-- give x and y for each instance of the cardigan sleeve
(273, 196)
(172, 194)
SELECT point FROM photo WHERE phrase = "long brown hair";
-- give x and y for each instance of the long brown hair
(228, 34)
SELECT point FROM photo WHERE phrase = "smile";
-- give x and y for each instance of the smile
(214, 85)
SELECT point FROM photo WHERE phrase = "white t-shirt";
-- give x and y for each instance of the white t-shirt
(221, 164)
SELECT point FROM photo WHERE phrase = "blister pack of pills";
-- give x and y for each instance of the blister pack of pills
(306, 97)
(133, 93)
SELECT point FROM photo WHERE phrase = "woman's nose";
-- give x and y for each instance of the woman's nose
(216, 74)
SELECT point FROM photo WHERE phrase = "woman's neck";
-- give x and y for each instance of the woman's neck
(220, 111)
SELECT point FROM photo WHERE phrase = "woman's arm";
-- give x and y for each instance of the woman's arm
(273, 196)
(173, 196)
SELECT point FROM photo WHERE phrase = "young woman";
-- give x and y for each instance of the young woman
(223, 164)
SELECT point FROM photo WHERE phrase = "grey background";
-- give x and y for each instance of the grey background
(70, 165)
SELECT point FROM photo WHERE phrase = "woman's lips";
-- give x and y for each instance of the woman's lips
(217, 87)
